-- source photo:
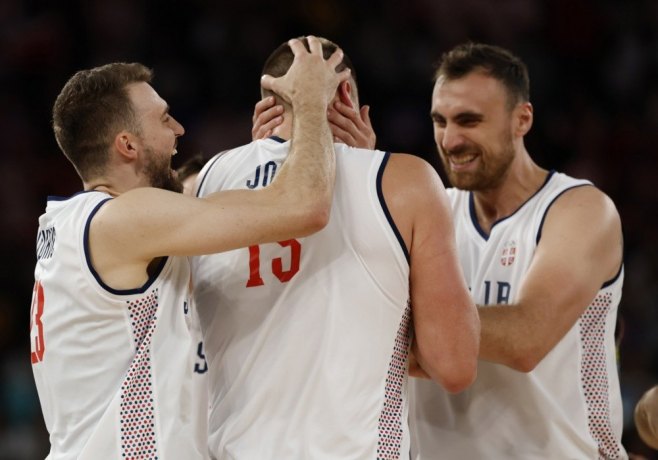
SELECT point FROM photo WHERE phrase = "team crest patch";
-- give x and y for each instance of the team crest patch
(509, 253)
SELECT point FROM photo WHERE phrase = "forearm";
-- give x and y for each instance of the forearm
(509, 336)
(307, 177)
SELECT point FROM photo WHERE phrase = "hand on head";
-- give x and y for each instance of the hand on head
(310, 77)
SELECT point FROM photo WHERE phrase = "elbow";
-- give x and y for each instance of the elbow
(456, 376)
(315, 218)
(461, 375)
(526, 360)
(458, 383)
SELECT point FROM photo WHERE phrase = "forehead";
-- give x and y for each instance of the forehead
(475, 92)
(145, 99)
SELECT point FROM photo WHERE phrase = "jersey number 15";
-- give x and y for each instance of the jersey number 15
(277, 264)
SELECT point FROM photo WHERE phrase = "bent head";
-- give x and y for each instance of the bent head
(480, 112)
(278, 63)
(110, 109)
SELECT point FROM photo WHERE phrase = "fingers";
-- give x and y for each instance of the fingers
(261, 106)
(314, 45)
(336, 58)
(340, 135)
(296, 46)
(365, 115)
(352, 127)
(267, 116)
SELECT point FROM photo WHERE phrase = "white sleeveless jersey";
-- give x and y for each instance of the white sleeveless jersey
(114, 369)
(569, 406)
(307, 340)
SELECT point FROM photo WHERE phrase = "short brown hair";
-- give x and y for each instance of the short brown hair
(494, 61)
(91, 109)
(278, 63)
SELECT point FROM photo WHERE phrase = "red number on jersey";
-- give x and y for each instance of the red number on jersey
(277, 264)
(36, 327)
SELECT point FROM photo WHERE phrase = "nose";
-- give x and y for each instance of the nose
(451, 137)
(177, 127)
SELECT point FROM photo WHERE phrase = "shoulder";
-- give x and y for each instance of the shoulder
(413, 171)
(585, 200)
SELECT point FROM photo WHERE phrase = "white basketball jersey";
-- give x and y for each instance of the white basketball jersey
(114, 369)
(307, 340)
(569, 406)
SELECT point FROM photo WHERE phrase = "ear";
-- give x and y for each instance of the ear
(126, 145)
(524, 117)
(345, 92)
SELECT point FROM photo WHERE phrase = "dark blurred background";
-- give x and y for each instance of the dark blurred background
(594, 85)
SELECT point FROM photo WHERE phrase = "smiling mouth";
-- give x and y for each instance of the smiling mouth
(462, 159)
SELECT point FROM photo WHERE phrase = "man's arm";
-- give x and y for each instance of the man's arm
(579, 250)
(142, 224)
(445, 318)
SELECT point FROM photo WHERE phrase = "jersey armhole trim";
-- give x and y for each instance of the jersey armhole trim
(93, 271)
(543, 218)
(382, 202)
(206, 170)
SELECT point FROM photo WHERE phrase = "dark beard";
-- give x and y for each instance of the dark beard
(161, 175)
(168, 182)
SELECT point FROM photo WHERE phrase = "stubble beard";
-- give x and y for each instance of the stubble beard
(159, 172)
(489, 175)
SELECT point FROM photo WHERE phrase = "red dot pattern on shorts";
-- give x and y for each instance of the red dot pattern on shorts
(594, 375)
(390, 421)
(138, 439)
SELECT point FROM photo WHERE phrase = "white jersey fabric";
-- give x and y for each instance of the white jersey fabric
(307, 340)
(114, 369)
(569, 406)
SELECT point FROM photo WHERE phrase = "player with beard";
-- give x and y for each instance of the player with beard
(542, 254)
(112, 352)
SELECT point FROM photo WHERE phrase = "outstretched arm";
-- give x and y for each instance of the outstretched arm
(142, 224)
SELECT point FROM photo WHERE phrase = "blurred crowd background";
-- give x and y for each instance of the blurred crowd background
(594, 85)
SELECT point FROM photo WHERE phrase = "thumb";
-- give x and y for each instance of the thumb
(267, 82)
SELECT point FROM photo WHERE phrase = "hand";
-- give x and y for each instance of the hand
(310, 77)
(266, 117)
(351, 127)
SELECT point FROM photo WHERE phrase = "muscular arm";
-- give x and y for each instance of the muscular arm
(444, 316)
(142, 224)
(580, 249)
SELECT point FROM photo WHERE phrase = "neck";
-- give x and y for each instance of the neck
(522, 180)
(284, 130)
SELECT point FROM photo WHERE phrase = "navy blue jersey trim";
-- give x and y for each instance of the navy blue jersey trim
(64, 198)
(476, 224)
(212, 162)
(543, 218)
(95, 274)
(278, 139)
(541, 226)
(382, 202)
(614, 278)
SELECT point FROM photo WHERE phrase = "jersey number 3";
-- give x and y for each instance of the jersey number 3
(277, 264)
(36, 327)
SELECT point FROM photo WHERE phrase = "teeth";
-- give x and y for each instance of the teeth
(175, 152)
(462, 160)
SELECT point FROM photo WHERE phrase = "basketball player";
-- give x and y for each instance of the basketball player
(112, 354)
(542, 255)
(307, 339)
